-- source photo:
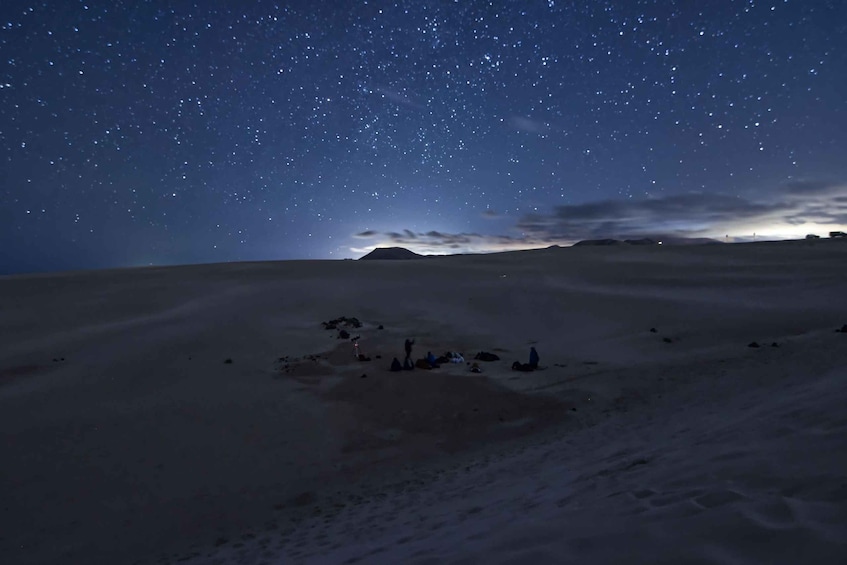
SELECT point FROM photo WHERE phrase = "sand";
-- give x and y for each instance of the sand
(125, 437)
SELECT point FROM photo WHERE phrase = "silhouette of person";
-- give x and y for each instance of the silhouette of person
(409, 344)
(533, 358)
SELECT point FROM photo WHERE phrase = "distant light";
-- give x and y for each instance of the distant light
(660, 243)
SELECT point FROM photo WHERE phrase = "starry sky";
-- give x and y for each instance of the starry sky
(168, 132)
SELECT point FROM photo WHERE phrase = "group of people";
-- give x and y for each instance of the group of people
(432, 362)
(407, 364)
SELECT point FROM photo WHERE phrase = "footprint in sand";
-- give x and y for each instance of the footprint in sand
(673, 498)
(774, 513)
(718, 498)
(639, 494)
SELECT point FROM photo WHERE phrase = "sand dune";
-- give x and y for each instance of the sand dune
(126, 437)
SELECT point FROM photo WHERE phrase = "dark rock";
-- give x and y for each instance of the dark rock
(380, 327)
(523, 367)
(774, 344)
(667, 340)
(843, 329)
(364, 376)
(342, 321)
(228, 361)
(343, 334)
(653, 330)
(486, 356)
(753, 344)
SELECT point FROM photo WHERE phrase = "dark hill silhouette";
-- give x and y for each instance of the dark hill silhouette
(690, 241)
(647, 241)
(390, 254)
(597, 242)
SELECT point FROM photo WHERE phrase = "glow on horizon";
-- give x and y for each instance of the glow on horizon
(490, 243)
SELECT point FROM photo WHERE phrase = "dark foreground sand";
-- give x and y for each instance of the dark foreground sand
(125, 437)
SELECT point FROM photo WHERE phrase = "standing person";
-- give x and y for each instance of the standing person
(409, 344)
(533, 358)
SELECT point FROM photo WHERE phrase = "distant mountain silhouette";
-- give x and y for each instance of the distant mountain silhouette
(648, 241)
(390, 254)
(642, 241)
(690, 241)
(597, 242)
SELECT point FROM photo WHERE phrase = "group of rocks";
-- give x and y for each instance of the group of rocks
(752, 344)
(342, 321)
(340, 324)
(286, 363)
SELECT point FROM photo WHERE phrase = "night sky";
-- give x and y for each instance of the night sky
(152, 132)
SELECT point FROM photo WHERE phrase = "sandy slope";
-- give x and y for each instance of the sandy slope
(139, 442)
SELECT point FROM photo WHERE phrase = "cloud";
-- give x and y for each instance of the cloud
(529, 125)
(806, 187)
(407, 235)
(440, 243)
(489, 213)
(683, 214)
(365, 234)
(791, 210)
(694, 214)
